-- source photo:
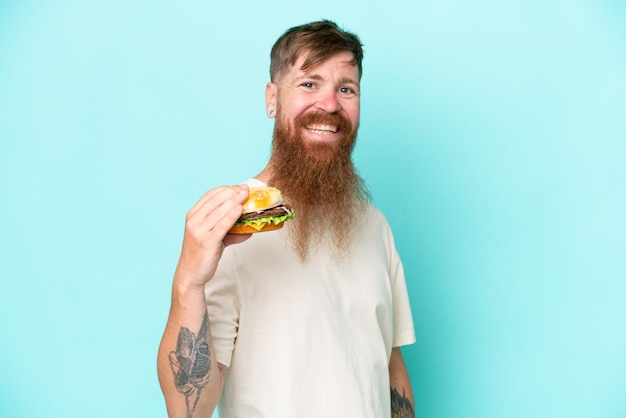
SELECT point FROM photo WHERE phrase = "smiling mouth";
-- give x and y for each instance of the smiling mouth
(323, 129)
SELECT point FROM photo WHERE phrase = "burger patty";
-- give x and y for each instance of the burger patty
(277, 211)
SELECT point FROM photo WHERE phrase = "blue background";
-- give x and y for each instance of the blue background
(493, 136)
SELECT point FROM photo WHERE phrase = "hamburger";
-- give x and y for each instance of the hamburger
(263, 211)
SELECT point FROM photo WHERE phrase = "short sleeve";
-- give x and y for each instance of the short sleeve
(223, 308)
(403, 328)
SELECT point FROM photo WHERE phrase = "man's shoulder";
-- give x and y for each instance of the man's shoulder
(374, 217)
(374, 211)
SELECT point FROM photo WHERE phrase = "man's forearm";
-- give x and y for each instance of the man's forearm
(402, 403)
(187, 367)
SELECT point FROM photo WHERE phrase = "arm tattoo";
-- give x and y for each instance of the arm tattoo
(191, 363)
(400, 405)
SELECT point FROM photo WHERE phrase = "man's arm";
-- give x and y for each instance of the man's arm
(190, 378)
(401, 393)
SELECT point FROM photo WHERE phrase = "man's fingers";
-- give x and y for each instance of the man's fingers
(205, 198)
(216, 212)
(217, 197)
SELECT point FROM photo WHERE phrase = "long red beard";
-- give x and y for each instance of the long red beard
(320, 182)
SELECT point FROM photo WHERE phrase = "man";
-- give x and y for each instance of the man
(305, 321)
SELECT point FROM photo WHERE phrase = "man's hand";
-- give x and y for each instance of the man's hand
(206, 228)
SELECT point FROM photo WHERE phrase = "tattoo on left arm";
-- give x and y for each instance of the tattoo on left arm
(191, 363)
(401, 406)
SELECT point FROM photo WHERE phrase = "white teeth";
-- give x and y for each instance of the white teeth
(323, 129)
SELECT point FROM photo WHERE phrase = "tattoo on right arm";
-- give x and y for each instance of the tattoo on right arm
(191, 363)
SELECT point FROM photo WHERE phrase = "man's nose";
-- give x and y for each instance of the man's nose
(328, 102)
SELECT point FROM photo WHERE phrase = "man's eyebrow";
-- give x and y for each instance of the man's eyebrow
(348, 80)
(317, 77)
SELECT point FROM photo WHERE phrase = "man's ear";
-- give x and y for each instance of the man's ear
(271, 97)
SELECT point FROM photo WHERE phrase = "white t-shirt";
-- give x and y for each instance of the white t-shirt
(309, 339)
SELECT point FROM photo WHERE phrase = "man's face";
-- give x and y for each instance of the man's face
(320, 107)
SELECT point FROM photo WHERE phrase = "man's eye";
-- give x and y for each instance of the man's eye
(308, 85)
(346, 90)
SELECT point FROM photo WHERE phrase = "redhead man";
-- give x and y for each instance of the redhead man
(308, 320)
